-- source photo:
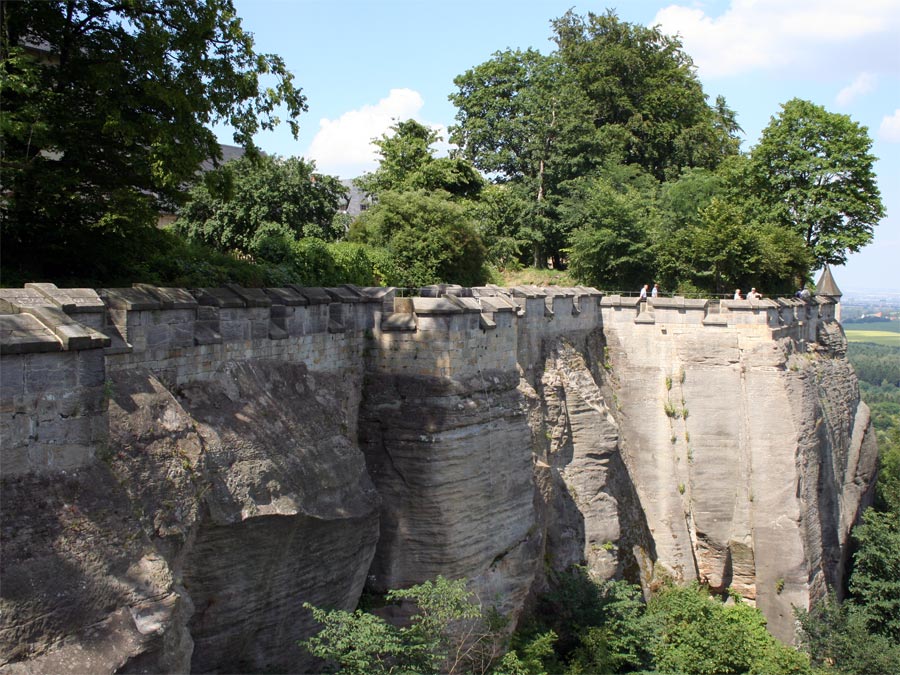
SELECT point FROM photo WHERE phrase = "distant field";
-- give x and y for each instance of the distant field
(877, 332)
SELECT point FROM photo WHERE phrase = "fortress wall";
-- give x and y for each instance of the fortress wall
(61, 345)
(403, 428)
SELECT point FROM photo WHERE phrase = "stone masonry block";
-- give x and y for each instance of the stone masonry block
(50, 372)
(12, 377)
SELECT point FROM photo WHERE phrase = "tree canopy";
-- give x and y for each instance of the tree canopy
(613, 93)
(815, 174)
(106, 109)
(228, 209)
(408, 163)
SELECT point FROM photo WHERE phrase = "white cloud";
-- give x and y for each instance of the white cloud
(890, 127)
(343, 147)
(767, 34)
(863, 84)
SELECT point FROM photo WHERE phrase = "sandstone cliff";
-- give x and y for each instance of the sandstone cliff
(182, 471)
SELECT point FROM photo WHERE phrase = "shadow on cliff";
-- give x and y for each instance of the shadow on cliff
(71, 548)
(594, 513)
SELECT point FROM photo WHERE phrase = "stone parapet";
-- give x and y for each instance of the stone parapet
(792, 317)
(58, 345)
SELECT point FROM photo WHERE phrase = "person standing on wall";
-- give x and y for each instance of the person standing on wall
(655, 292)
(644, 293)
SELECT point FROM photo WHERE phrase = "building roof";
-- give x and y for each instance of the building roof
(826, 285)
(229, 153)
(357, 200)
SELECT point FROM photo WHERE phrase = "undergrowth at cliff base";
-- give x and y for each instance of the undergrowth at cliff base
(581, 627)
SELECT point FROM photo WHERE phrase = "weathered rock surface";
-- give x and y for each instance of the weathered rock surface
(750, 461)
(171, 507)
(452, 462)
(82, 589)
(194, 543)
(592, 513)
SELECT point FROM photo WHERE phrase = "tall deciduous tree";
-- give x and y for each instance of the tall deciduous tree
(408, 163)
(521, 122)
(106, 109)
(227, 210)
(612, 93)
(815, 173)
(646, 101)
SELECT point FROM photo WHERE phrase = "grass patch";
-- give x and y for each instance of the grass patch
(887, 338)
(530, 276)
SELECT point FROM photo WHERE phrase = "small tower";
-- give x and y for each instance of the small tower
(828, 289)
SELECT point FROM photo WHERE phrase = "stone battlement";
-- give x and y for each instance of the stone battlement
(59, 346)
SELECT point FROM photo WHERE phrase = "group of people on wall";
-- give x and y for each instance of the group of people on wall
(753, 294)
(653, 293)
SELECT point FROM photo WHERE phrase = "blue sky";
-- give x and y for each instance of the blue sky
(364, 63)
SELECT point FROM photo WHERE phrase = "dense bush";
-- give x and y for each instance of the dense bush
(228, 208)
(430, 239)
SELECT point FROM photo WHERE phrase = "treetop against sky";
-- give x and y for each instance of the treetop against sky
(365, 65)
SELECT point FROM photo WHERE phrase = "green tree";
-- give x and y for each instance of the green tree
(875, 582)
(444, 634)
(521, 119)
(721, 251)
(106, 109)
(408, 163)
(646, 102)
(226, 210)
(815, 174)
(431, 239)
(695, 633)
(838, 639)
(612, 93)
(610, 248)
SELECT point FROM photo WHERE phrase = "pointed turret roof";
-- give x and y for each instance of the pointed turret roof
(826, 285)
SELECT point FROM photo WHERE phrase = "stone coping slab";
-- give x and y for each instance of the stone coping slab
(286, 296)
(620, 301)
(314, 295)
(498, 303)
(438, 306)
(170, 298)
(24, 334)
(399, 322)
(343, 294)
(747, 305)
(132, 299)
(467, 304)
(252, 297)
(376, 293)
(13, 300)
(440, 290)
(560, 291)
(71, 334)
(489, 291)
(527, 292)
(218, 297)
(678, 302)
(71, 300)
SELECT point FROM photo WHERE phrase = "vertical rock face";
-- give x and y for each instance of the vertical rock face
(173, 512)
(591, 510)
(289, 513)
(452, 462)
(750, 461)
(216, 511)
